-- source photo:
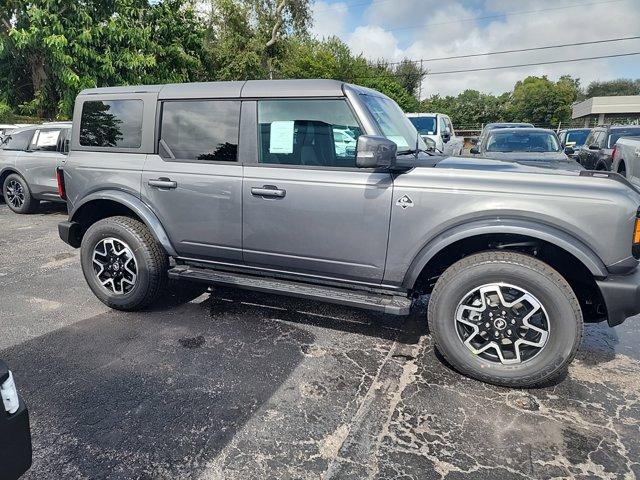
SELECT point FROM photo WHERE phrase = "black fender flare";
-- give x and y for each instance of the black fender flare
(533, 229)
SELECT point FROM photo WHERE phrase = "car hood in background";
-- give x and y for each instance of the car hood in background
(551, 160)
(564, 167)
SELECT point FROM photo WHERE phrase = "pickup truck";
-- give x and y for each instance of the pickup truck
(626, 158)
(437, 132)
(245, 185)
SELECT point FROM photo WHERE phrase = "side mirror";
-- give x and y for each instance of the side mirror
(446, 136)
(594, 147)
(474, 150)
(375, 152)
(569, 150)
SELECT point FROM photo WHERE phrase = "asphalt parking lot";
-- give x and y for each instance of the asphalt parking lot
(236, 385)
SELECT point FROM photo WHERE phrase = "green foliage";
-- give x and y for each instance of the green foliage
(617, 87)
(6, 114)
(541, 101)
(469, 108)
(391, 88)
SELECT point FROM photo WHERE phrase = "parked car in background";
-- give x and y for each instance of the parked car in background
(626, 158)
(498, 125)
(537, 147)
(574, 138)
(597, 153)
(15, 432)
(437, 132)
(28, 160)
(240, 184)
(6, 128)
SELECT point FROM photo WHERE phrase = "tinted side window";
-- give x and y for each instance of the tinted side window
(201, 130)
(320, 133)
(18, 141)
(111, 123)
(46, 140)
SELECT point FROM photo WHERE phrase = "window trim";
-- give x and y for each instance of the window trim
(345, 99)
(159, 116)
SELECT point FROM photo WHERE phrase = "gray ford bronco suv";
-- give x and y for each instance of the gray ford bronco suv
(244, 184)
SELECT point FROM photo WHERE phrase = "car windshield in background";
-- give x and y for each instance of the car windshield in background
(393, 122)
(501, 141)
(424, 125)
(622, 132)
(577, 138)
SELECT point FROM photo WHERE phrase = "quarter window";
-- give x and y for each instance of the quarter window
(18, 140)
(111, 123)
(316, 133)
(201, 130)
(46, 141)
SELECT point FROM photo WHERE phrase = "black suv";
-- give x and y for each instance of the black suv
(597, 152)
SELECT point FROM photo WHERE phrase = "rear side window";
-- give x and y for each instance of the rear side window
(18, 141)
(46, 140)
(316, 133)
(111, 123)
(201, 130)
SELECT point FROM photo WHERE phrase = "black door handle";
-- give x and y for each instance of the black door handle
(268, 191)
(162, 182)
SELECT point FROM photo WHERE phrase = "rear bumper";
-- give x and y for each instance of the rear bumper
(621, 294)
(70, 233)
(15, 443)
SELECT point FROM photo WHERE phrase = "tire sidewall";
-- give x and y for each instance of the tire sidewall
(27, 193)
(104, 229)
(564, 327)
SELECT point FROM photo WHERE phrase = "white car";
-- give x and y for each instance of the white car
(626, 156)
(437, 131)
(345, 142)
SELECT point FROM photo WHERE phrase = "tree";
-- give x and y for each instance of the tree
(621, 86)
(542, 102)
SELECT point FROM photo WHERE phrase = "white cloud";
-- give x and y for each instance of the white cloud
(444, 34)
(329, 19)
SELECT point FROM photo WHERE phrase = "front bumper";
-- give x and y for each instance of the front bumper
(621, 294)
(70, 233)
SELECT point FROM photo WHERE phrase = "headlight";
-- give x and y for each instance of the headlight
(10, 395)
(431, 144)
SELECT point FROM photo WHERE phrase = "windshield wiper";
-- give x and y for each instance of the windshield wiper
(415, 151)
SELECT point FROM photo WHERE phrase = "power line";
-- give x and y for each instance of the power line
(508, 66)
(546, 47)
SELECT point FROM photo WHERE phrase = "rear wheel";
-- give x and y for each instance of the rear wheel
(124, 265)
(505, 318)
(17, 194)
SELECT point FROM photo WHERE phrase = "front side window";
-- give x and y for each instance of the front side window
(622, 132)
(111, 123)
(393, 123)
(46, 140)
(317, 133)
(17, 140)
(504, 141)
(576, 138)
(201, 130)
(424, 125)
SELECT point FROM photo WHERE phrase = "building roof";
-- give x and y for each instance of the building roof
(597, 105)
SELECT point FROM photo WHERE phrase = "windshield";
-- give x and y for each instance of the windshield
(393, 123)
(501, 141)
(577, 138)
(622, 132)
(425, 125)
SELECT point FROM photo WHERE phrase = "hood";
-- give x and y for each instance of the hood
(550, 160)
(479, 163)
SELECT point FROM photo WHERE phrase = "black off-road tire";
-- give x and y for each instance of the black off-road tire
(523, 271)
(29, 204)
(151, 259)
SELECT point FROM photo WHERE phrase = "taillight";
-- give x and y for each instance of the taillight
(60, 178)
(635, 249)
(613, 153)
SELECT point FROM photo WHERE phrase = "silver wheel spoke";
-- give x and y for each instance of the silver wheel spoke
(502, 323)
(115, 265)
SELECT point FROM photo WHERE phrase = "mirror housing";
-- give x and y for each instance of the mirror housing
(375, 152)
(569, 151)
(474, 150)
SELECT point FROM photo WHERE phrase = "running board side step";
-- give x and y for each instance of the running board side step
(391, 304)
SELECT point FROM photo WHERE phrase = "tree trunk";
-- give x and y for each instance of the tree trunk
(38, 75)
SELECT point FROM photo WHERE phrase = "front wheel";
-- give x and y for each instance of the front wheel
(17, 194)
(505, 318)
(124, 265)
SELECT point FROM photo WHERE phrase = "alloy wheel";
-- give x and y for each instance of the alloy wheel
(15, 193)
(115, 265)
(502, 323)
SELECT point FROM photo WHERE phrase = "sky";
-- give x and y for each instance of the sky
(420, 29)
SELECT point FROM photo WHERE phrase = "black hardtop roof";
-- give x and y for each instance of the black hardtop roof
(237, 89)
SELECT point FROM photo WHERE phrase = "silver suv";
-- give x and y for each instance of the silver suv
(29, 157)
(244, 184)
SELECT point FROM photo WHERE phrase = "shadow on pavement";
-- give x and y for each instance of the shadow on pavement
(148, 395)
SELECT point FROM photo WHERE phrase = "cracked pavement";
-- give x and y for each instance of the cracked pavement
(240, 385)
